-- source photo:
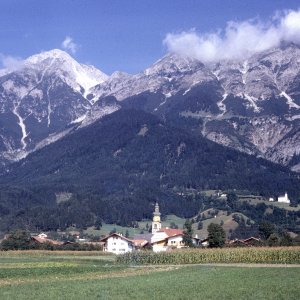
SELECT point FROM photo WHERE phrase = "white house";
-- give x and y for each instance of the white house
(43, 235)
(117, 243)
(284, 199)
(167, 238)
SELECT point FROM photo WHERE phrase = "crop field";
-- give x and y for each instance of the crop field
(92, 275)
(274, 255)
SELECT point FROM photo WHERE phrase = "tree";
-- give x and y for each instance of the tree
(216, 235)
(173, 225)
(286, 239)
(188, 234)
(266, 229)
(232, 200)
(98, 223)
(17, 240)
(273, 240)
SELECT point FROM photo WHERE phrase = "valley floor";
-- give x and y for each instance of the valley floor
(90, 275)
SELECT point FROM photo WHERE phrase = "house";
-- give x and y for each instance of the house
(284, 199)
(42, 235)
(43, 240)
(252, 241)
(167, 242)
(164, 239)
(204, 243)
(117, 243)
(249, 242)
(237, 243)
(271, 199)
(140, 244)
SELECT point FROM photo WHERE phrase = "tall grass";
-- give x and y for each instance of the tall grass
(278, 255)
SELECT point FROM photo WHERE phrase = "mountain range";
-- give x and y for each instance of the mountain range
(77, 145)
(252, 105)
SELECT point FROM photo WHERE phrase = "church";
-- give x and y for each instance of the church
(163, 239)
(160, 239)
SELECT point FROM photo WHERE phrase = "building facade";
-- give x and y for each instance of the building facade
(117, 244)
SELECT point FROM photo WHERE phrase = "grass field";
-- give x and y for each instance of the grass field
(107, 228)
(285, 206)
(88, 275)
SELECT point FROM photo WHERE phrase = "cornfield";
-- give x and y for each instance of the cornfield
(278, 255)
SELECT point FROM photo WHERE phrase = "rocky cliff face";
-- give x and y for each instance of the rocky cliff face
(252, 105)
(45, 95)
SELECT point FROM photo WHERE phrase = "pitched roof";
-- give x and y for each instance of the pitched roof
(44, 240)
(251, 239)
(159, 241)
(171, 232)
(140, 243)
(143, 236)
(117, 235)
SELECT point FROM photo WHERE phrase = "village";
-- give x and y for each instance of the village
(162, 234)
(158, 240)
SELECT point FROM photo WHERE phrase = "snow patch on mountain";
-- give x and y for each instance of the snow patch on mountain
(76, 75)
(290, 101)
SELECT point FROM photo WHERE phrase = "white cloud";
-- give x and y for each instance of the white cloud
(69, 45)
(12, 63)
(238, 40)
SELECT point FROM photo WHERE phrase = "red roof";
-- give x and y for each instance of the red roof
(44, 240)
(140, 243)
(171, 232)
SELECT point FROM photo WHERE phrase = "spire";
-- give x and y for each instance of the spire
(156, 223)
(156, 210)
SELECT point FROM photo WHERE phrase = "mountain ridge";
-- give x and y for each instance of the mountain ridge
(251, 105)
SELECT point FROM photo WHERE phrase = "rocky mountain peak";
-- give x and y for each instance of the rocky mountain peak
(173, 64)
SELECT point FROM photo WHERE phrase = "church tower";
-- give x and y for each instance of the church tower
(156, 224)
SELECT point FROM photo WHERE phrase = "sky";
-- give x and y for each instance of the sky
(130, 35)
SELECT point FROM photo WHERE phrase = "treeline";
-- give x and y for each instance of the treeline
(22, 240)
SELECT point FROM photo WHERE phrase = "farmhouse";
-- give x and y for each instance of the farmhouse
(249, 242)
(117, 243)
(42, 238)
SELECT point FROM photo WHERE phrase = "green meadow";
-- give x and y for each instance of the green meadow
(92, 275)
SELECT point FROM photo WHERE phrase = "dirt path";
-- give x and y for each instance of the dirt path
(131, 271)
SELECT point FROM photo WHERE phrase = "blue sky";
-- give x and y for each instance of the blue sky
(124, 35)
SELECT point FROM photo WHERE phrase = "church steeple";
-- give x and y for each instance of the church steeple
(156, 224)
